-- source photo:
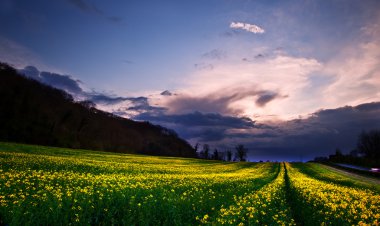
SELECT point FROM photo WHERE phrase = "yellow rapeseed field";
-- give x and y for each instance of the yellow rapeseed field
(54, 186)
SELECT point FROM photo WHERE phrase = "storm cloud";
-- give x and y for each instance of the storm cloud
(291, 140)
(198, 126)
(318, 135)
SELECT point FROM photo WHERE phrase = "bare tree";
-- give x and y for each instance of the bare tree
(241, 153)
(196, 146)
(215, 155)
(228, 155)
(206, 151)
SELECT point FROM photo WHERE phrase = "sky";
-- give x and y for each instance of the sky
(288, 79)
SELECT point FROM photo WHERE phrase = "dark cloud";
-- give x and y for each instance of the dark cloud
(115, 19)
(211, 135)
(202, 127)
(265, 98)
(166, 93)
(64, 82)
(293, 140)
(31, 72)
(219, 102)
(369, 107)
(72, 86)
(319, 134)
(255, 58)
(204, 66)
(201, 119)
(104, 99)
(86, 7)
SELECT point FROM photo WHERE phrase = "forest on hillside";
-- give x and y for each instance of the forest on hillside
(35, 113)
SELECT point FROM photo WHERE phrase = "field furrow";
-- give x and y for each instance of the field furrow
(267, 206)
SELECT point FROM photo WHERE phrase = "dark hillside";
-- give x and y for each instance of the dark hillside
(31, 112)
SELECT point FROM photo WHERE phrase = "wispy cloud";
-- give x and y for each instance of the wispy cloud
(215, 54)
(248, 27)
(84, 6)
(92, 8)
(356, 70)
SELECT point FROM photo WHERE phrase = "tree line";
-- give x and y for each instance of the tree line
(238, 154)
(366, 152)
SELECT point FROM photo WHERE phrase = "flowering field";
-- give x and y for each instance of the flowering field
(54, 186)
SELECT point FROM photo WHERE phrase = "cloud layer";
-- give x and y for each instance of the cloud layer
(212, 119)
(247, 27)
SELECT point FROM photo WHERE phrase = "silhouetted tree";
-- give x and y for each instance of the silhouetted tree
(369, 144)
(354, 153)
(87, 104)
(338, 152)
(215, 155)
(222, 156)
(196, 146)
(228, 155)
(206, 151)
(241, 153)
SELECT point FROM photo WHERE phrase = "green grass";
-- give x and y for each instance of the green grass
(57, 186)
